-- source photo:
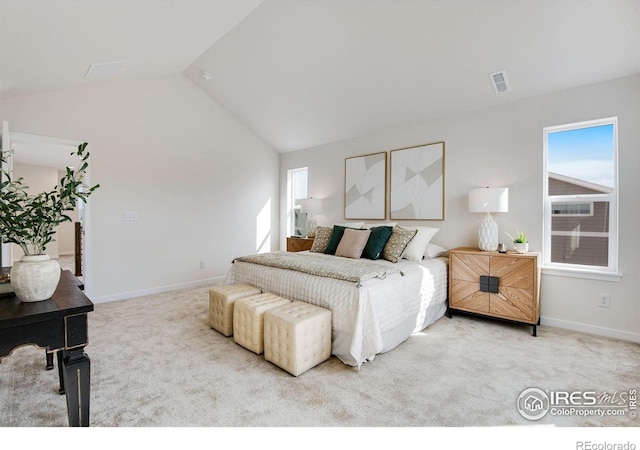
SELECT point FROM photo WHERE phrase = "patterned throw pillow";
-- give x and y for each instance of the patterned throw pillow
(397, 243)
(321, 240)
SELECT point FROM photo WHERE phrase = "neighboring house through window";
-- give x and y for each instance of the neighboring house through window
(297, 187)
(581, 197)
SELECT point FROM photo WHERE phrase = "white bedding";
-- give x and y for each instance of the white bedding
(368, 319)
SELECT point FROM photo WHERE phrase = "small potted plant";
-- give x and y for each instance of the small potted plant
(520, 243)
(30, 221)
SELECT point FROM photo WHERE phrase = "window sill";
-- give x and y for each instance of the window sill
(577, 273)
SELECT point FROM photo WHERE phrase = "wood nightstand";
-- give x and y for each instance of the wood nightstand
(299, 244)
(501, 285)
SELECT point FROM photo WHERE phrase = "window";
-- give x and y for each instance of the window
(581, 196)
(296, 191)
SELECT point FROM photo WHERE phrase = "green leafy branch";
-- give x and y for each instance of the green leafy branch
(30, 221)
(521, 237)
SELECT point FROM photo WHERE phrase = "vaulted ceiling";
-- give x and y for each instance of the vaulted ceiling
(306, 73)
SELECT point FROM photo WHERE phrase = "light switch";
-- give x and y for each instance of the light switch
(129, 215)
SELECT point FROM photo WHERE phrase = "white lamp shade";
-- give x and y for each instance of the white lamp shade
(311, 205)
(488, 200)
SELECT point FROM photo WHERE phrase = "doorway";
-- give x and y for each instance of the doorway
(37, 154)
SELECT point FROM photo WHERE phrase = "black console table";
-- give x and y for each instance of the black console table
(60, 326)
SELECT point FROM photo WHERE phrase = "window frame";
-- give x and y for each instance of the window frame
(291, 198)
(610, 272)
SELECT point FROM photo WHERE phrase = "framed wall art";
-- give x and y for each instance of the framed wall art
(417, 182)
(365, 186)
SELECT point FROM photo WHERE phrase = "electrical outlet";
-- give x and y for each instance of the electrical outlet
(202, 264)
(604, 300)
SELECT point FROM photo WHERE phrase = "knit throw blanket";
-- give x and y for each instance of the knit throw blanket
(354, 270)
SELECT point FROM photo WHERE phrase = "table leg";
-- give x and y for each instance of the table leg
(49, 365)
(60, 354)
(77, 380)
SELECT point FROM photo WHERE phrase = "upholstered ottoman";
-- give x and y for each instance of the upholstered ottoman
(221, 300)
(297, 336)
(248, 319)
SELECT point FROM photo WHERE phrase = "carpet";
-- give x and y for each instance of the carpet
(155, 362)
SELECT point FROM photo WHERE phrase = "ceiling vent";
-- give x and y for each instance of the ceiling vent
(105, 68)
(500, 81)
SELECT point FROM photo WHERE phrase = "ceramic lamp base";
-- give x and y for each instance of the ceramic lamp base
(488, 234)
(312, 225)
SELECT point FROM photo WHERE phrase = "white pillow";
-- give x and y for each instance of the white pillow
(368, 226)
(418, 245)
(434, 250)
(355, 225)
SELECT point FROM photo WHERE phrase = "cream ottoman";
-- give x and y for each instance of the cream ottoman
(221, 300)
(248, 319)
(297, 336)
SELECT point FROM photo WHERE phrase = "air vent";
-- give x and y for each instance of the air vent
(105, 68)
(500, 82)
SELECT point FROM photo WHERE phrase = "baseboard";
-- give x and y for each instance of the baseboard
(158, 290)
(591, 329)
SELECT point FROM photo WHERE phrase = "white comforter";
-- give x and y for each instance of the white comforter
(368, 319)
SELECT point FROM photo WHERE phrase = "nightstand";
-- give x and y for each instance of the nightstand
(299, 244)
(500, 285)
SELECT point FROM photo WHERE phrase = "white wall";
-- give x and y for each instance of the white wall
(204, 187)
(503, 146)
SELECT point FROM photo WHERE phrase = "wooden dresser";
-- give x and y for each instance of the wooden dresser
(500, 285)
(299, 244)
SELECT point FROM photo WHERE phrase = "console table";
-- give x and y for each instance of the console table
(59, 325)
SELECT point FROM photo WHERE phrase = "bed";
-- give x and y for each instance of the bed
(370, 315)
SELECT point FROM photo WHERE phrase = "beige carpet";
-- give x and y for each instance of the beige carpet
(155, 362)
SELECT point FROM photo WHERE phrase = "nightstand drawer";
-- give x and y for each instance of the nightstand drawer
(465, 295)
(514, 304)
(513, 271)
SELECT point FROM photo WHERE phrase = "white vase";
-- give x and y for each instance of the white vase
(35, 278)
(521, 247)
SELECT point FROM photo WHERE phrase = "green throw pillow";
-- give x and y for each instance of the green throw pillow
(377, 241)
(334, 240)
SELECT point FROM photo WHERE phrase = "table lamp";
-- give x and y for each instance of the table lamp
(488, 200)
(311, 206)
